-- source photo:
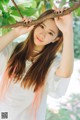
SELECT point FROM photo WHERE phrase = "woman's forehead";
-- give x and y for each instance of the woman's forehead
(50, 24)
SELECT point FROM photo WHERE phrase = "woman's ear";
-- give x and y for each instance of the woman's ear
(56, 39)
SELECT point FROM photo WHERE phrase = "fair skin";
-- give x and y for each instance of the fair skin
(46, 36)
(46, 32)
(43, 33)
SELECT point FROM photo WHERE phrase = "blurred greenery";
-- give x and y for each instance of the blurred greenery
(33, 8)
(9, 14)
(77, 37)
(69, 110)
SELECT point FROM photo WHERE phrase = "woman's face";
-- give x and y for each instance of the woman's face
(45, 33)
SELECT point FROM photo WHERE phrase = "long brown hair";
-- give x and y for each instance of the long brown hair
(35, 76)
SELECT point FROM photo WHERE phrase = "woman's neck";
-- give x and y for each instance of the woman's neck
(35, 53)
(38, 48)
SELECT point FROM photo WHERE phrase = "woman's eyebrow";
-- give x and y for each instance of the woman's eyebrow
(49, 29)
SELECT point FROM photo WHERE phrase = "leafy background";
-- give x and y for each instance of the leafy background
(70, 110)
(33, 8)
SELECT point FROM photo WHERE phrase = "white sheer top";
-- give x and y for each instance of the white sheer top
(18, 100)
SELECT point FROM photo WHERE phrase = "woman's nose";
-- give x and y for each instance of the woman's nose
(43, 34)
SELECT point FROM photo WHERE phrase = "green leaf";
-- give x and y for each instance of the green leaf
(13, 8)
(33, 4)
(5, 1)
(1, 20)
(71, 4)
(5, 21)
(5, 14)
(1, 6)
(11, 20)
(77, 12)
(28, 11)
(38, 1)
(15, 13)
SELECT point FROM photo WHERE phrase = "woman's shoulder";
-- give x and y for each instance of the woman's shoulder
(5, 55)
(10, 48)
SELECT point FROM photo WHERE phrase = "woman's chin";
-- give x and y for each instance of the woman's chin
(37, 44)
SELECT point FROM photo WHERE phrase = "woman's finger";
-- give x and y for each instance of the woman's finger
(27, 19)
(63, 9)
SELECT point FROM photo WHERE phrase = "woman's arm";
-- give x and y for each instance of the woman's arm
(66, 65)
(67, 60)
(7, 38)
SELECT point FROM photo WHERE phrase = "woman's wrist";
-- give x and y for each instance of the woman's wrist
(68, 31)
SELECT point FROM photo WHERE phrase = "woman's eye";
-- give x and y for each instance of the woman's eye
(51, 33)
(42, 26)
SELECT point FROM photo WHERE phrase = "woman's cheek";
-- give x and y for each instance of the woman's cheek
(49, 38)
(37, 30)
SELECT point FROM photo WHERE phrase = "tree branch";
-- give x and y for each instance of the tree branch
(17, 8)
(52, 15)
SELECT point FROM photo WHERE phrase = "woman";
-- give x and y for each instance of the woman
(29, 66)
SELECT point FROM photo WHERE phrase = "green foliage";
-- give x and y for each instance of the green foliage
(77, 12)
(5, 1)
(68, 111)
(77, 37)
(30, 8)
(9, 15)
(28, 11)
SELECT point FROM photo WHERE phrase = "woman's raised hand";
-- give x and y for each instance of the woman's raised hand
(64, 23)
(22, 29)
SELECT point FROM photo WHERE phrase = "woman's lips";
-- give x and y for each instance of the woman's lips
(39, 39)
